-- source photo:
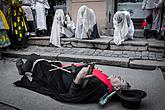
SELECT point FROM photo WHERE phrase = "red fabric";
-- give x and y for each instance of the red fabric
(144, 23)
(100, 75)
(103, 77)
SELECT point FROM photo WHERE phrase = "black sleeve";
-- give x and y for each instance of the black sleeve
(75, 88)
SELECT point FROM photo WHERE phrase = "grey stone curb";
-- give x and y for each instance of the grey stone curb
(111, 61)
(147, 64)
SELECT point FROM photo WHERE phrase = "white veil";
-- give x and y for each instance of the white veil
(123, 25)
(86, 19)
(57, 28)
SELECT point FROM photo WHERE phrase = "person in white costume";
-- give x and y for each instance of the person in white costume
(124, 28)
(86, 27)
(62, 26)
(26, 6)
(40, 7)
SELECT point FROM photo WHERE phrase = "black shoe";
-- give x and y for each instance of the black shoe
(19, 64)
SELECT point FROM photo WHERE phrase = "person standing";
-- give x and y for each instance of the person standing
(155, 8)
(26, 6)
(4, 39)
(41, 10)
(18, 26)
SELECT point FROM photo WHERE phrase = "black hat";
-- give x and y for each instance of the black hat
(131, 98)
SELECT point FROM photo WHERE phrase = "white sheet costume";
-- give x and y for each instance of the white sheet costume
(58, 28)
(40, 6)
(86, 26)
(124, 28)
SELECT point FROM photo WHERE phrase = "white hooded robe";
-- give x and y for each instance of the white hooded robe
(123, 25)
(86, 19)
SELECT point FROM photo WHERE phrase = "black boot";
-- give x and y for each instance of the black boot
(38, 33)
(146, 33)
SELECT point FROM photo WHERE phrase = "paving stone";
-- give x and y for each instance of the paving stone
(65, 42)
(39, 42)
(159, 54)
(40, 38)
(104, 43)
(152, 53)
(146, 64)
(128, 48)
(7, 107)
(145, 53)
(124, 56)
(156, 43)
(107, 53)
(134, 42)
(151, 49)
(123, 62)
(98, 50)
(96, 54)
(131, 53)
(101, 46)
(138, 55)
(118, 52)
(80, 44)
(75, 54)
(69, 46)
(152, 56)
(145, 57)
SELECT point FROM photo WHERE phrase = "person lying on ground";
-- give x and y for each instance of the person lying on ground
(64, 83)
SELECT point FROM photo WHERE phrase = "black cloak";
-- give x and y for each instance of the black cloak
(59, 84)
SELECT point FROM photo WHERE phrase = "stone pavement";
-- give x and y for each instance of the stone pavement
(151, 81)
(131, 59)
(104, 43)
(4, 106)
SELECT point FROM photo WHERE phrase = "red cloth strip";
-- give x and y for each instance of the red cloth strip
(103, 77)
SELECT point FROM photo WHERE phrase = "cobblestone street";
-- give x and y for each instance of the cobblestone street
(17, 98)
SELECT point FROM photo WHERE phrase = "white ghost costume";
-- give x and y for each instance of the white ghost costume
(86, 21)
(124, 28)
(40, 6)
(58, 28)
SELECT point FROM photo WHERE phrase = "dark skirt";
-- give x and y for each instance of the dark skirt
(18, 28)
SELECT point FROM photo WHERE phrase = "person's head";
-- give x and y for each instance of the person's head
(118, 83)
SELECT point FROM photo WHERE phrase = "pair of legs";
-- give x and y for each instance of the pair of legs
(27, 66)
